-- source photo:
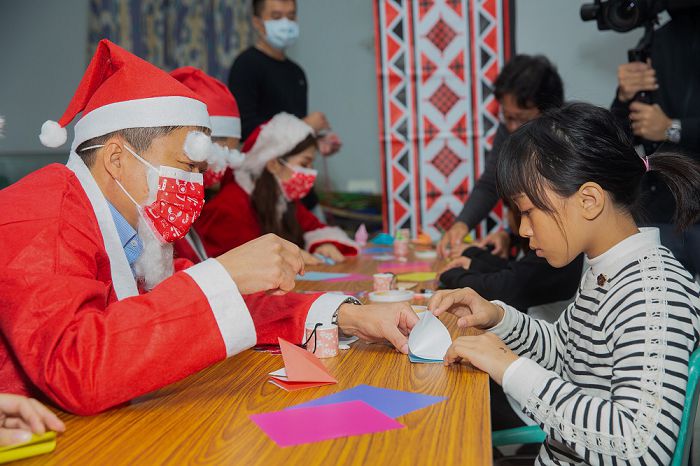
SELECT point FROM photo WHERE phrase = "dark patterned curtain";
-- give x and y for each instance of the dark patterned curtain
(207, 34)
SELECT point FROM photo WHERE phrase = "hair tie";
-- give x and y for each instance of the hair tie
(646, 163)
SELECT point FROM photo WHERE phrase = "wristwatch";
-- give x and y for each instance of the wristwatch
(348, 300)
(673, 132)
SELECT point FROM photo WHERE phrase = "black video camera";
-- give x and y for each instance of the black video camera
(622, 15)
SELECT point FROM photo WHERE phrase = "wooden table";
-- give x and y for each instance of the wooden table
(203, 419)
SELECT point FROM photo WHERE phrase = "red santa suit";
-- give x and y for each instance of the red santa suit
(75, 328)
(229, 220)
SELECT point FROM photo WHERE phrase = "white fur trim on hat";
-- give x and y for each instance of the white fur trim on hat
(277, 137)
(141, 113)
(327, 235)
(52, 134)
(225, 127)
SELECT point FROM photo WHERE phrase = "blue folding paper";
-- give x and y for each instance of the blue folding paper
(393, 403)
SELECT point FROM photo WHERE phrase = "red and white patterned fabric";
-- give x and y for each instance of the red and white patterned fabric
(177, 205)
(436, 64)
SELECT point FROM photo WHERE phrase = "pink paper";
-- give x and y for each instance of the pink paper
(402, 267)
(353, 277)
(318, 423)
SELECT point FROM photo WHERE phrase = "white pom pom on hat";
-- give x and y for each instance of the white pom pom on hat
(53, 134)
(198, 146)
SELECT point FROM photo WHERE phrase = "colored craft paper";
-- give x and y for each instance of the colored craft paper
(302, 369)
(38, 445)
(350, 277)
(376, 251)
(429, 340)
(384, 257)
(393, 403)
(317, 423)
(401, 267)
(417, 276)
(320, 276)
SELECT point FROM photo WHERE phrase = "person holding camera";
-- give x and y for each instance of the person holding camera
(672, 121)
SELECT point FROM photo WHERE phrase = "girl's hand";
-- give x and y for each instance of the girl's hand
(486, 352)
(329, 250)
(465, 303)
(309, 259)
(21, 417)
(463, 262)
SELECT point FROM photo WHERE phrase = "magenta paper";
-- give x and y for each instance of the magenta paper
(308, 425)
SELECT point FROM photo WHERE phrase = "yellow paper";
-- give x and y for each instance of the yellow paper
(417, 276)
(38, 445)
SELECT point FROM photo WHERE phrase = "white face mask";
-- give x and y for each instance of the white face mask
(281, 33)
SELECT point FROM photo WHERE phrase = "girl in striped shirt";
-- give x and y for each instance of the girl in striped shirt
(606, 382)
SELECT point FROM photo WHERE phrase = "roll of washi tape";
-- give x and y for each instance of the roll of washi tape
(322, 340)
(384, 281)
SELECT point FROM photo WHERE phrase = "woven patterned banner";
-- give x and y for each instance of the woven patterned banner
(436, 64)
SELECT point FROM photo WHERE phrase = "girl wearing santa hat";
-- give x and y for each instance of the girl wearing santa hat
(264, 197)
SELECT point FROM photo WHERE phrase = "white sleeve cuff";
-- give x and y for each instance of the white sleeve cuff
(231, 313)
(522, 378)
(327, 235)
(509, 320)
(322, 310)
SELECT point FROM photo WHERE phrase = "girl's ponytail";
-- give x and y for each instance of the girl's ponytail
(682, 176)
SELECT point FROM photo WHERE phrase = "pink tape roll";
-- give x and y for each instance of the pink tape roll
(325, 343)
(384, 281)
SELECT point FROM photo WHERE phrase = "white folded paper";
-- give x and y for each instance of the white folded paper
(429, 339)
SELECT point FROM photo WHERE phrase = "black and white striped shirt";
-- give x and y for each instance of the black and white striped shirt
(607, 381)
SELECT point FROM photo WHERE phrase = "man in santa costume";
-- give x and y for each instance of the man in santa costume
(94, 310)
(265, 196)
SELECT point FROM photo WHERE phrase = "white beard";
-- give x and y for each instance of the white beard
(155, 263)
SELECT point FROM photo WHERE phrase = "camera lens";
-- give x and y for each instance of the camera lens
(589, 11)
(624, 15)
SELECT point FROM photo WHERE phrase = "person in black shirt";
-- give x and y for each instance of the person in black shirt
(671, 123)
(526, 87)
(266, 82)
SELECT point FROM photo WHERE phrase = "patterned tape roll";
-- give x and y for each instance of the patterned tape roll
(384, 281)
(324, 344)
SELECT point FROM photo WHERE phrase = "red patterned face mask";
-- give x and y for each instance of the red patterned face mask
(212, 177)
(299, 184)
(179, 201)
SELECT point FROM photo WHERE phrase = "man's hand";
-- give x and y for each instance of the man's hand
(460, 262)
(649, 121)
(486, 352)
(500, 240)
(268, 263)
(379, 322)
(452, 240)
(635, 77)
(21, 417)
(465, 303)
(329, 250)
(329, 144)
(317, 120)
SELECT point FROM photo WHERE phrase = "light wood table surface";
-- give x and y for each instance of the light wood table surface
(203, 419)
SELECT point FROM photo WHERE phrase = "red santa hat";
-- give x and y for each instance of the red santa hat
(272, 140)
(120, 90)
(222, 106)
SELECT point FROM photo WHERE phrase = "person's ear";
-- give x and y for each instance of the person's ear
(274, 167)
(591, 200)
(112, 156)
(259, 26)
